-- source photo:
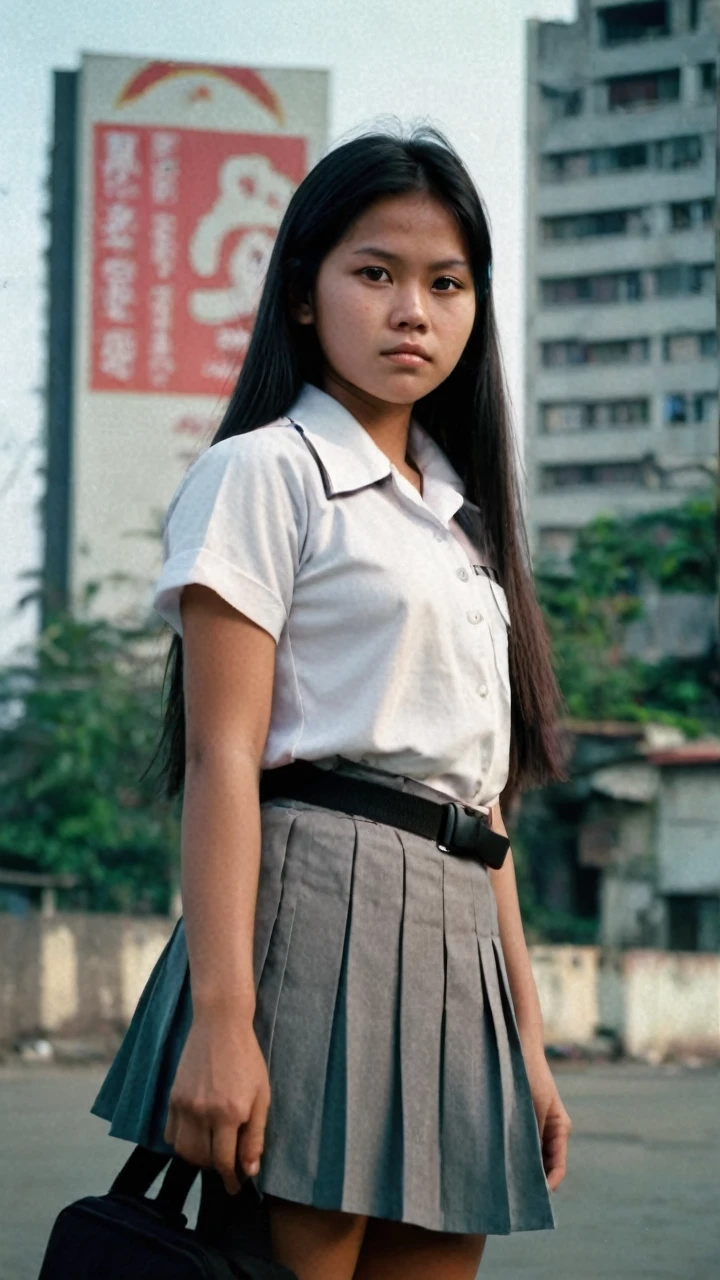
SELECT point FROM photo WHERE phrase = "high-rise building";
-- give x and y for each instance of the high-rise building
(621, 338)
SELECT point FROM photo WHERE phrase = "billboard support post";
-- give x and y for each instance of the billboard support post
(59, 392)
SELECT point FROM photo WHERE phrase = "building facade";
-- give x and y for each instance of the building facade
(626, 853)
(621, 337)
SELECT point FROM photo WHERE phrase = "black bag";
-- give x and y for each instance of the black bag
(124, 1235)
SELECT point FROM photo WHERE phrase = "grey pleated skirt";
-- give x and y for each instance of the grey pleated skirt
(384, 1014)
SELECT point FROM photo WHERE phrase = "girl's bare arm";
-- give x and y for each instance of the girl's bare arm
(220, 1097)
(517, 960)
(553, 1120)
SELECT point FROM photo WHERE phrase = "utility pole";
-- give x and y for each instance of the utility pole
(717, 326)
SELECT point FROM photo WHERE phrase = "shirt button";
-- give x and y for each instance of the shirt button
(463, 575)
(474, 616)
(483, 690)
(439, 537)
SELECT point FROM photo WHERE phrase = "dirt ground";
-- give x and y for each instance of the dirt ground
(642, 1199)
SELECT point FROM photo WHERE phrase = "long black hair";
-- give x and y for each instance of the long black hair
(467, 415)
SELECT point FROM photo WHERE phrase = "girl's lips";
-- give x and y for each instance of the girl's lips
(405, 357)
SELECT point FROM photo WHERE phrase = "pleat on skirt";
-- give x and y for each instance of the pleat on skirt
(383, 1011)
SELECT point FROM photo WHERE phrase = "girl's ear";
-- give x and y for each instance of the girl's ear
(303, 313)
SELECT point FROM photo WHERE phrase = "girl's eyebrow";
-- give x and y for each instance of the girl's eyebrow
(373, 251)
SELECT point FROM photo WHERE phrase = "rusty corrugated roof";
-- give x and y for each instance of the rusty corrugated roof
(705, 751)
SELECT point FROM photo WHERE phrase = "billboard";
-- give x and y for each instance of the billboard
(183, 173)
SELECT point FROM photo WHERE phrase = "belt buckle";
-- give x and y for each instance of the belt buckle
(460, 831)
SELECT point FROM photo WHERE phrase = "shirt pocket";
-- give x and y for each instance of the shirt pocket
(498, 616)
(500, 600)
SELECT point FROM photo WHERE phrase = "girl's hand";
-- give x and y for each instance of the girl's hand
(553, 1120)
(219, 1101)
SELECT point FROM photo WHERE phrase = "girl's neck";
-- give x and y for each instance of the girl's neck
(387, 424)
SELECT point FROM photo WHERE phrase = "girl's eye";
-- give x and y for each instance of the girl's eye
(444, 284)
(374, 273)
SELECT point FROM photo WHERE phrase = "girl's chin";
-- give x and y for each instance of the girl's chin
(400, 386)
(407, 390)
(392, 385)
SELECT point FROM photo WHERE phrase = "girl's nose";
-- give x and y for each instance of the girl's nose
(409, 311)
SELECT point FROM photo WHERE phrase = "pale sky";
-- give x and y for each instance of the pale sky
(458, 63)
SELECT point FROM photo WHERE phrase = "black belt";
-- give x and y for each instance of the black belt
(453, 827)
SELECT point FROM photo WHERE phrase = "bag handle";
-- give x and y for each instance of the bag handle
(142, 1168)
(139, 1172)
(176, 1185)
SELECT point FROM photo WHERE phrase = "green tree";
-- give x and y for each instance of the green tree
(79, 722)
(589, 604)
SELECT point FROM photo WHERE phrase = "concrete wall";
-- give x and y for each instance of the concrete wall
(76, 974)
(567, 983)
(672, 1003)
(659, 1003)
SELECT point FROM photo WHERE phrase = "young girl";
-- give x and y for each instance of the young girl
(347, 1012)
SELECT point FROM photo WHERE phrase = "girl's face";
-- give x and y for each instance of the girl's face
(394, 301)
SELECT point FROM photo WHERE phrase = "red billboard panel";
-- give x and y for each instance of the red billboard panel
(184, 221)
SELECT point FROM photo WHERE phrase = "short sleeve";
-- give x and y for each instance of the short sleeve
(236, 524)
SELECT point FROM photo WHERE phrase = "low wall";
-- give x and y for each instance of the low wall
(74, 973)
(79, 974)
(672, 1003)
(657, 1003)
(567, 984)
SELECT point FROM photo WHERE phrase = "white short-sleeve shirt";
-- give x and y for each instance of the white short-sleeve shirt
(392, 645)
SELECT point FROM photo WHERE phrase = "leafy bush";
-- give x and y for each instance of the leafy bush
(79, 720)
(589, 604)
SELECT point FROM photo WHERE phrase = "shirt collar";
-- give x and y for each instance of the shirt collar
(443, 490)
(351, 459)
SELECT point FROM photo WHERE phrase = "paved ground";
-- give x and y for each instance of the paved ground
(642, 1201)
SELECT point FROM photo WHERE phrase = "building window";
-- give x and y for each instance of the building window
(557, 355)
(609, 222)
(695, 15)
(591, 475)
(615, 286)
(633, 155)
(678, 153)
(572, 352)
(693, 921)
(564, 166)
(681, 408)
(669, 153)
(632, 93)
(561, 417)
(624, 23)
(690, 214)
(680, 347)
(619, 413)
(561, 103)
(708, 81)
(684, 278)
(556, 544)
(590, 415)
(675, 408)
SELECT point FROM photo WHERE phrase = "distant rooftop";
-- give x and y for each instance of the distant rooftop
(705, 751)
(606, 728)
